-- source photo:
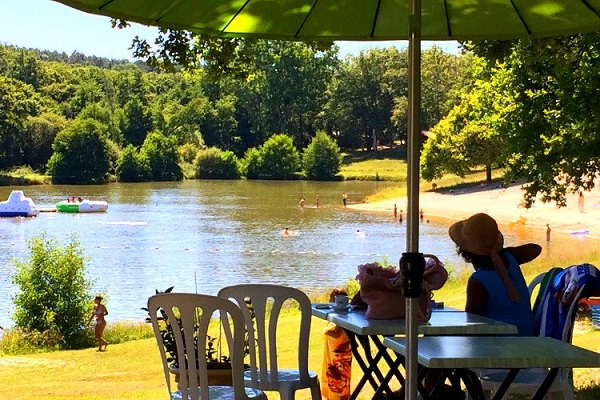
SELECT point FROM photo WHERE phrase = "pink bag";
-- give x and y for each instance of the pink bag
(385, 300)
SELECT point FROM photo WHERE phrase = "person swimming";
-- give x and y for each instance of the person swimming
(286, 232)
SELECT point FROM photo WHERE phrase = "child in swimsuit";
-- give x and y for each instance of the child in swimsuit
(99, 313)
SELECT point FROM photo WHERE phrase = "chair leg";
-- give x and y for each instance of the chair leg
(315, 392)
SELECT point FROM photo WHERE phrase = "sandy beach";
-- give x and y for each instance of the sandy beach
(503, 205)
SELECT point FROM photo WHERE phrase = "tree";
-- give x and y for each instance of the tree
(53, 294)
(322, 158)
(161, 152)
(40, 133)
(133, 166)
(466, 138)
(277, 158)
(213, 163)
(82, 154)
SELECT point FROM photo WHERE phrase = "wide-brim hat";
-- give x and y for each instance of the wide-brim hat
(478, 234)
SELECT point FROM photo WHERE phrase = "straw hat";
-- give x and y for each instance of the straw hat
(479, 234)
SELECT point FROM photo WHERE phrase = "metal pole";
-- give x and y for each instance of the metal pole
(412, 235)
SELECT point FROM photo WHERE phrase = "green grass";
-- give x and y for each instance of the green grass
(23, 176)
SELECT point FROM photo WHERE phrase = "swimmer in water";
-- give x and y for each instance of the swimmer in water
(286, 232)
(360, 234)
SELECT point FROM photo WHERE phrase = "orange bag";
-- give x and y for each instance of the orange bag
(337, 364)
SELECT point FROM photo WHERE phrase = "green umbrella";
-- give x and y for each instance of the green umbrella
(369, 20)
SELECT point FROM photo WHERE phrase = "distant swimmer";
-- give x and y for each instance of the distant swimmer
(301, 202)
(317, 201)
(360, 234)
(286, 232)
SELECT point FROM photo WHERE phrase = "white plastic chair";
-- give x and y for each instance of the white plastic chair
(528, 381)
(262, 305)
(193, 313)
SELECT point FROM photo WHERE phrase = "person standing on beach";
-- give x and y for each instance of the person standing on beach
(99, 313)
(548, 230)
(580, 201)
(395, 211)
(317, 201)
(344, 198)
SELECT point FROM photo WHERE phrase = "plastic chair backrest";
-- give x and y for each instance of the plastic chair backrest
(190, 315)
(262, 305)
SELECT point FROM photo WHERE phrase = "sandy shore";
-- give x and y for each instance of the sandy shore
(504, 206)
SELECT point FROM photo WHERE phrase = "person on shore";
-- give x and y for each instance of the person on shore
(421, 215)
(548, 230)
(99, 313)
(497, 288)
(317, 201)
(395, 211)
(344, 198)
(580, 201)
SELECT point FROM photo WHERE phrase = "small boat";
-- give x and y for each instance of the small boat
(18, 205)
(83, 206)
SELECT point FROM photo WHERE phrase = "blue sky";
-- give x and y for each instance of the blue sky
(46, 25)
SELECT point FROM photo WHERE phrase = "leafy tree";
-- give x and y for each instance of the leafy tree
(138, 122)
(464, 139)
(251, 164)
(133, 166)
(53, 292)
(40, 133)
(188, 152)
(161, 152)
(17, 102)
(278, 159)
(321, 159)
(82, 154)
(213, 163)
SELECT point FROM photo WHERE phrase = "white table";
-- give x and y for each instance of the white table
(511, 352)
(365, 333)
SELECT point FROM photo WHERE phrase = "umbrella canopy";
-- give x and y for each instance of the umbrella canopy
(369, 20)
(357, 19)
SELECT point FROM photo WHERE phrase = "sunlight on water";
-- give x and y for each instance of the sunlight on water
(202, 235)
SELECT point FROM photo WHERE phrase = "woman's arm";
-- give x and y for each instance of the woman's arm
(526, 252)
(477, 297)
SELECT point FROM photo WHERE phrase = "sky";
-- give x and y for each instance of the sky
(47, 25)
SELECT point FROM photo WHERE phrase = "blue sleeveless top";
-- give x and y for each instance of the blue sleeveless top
(499, 306)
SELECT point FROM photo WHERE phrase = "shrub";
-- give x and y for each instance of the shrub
(277, 158)
(322, 158)
(163, 156)
(133, 166)
(251, 164)
(53, 297)
(214, 163)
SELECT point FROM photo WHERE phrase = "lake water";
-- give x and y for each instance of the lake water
(202, 235)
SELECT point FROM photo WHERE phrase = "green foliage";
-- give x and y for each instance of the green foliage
(213, 163)
(53, 297)
(278, 159)
(251, 163)
(188, 152)
(321, 159)
(161, 152)
(133, 166)
(82, 154)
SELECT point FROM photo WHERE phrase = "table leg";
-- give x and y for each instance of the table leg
(543, 389)
(510, 377)
(368, 364)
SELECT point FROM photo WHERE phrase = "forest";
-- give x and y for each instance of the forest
(83, 119)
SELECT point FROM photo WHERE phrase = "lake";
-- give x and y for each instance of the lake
(202, 235)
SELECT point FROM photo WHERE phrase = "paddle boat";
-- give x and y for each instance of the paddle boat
(18, 205)
(81, 206)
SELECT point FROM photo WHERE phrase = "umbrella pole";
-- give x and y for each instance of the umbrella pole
(412, 261)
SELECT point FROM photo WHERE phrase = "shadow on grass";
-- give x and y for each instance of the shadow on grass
(354, 156)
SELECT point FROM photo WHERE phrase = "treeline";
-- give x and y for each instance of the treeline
(84, 119)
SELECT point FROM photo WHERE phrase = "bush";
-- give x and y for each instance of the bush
(277, 158)
(214, 163)
(163, 156)
(322, 158)
(133, 166)
(53, 297)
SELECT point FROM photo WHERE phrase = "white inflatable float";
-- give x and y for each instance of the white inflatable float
(18, 205)
(84, 206)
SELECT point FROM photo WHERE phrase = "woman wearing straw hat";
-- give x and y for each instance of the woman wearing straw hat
(497, 288)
